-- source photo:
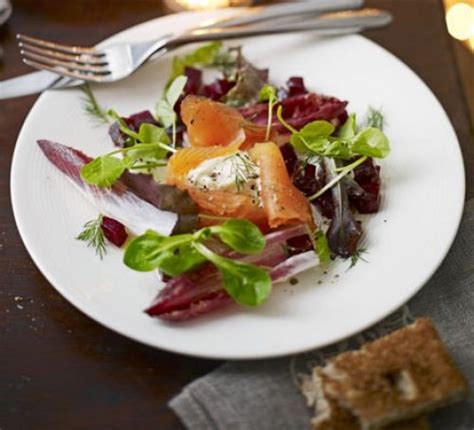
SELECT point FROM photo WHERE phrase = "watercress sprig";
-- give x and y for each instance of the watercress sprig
(149, 149)
(165, 107)
(248, 284)
(209, 55)
(268, 94)
(317, 138)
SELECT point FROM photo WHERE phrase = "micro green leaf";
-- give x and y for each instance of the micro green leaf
(317, 138)
(150, 133)
(103, 171)
(176, 88)
(349, 129)
(268, 94)
(371, 142)
(207, 55)
(322, 247)
(124, 128)
(165, 107)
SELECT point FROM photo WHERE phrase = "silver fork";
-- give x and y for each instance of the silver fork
(118, 61)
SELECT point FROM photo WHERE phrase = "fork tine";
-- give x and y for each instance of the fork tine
(78, 58)
(58, 46)
(77, 75)
(100, 70)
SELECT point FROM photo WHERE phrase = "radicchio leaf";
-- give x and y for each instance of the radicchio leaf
(165, 197)
(118, 202)
(200, 291)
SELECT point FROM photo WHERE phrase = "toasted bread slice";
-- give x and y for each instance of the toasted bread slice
(402, 375)
(329, 415)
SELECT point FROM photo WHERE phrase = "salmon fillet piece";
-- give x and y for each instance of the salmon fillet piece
(284, 204)
(220, 202)
(211, 123)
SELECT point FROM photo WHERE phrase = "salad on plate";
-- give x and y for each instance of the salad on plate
(231, 185)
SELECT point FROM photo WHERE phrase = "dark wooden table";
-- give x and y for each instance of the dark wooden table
(59, 369)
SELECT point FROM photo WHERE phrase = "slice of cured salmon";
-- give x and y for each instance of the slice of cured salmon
(211, 123)
(217, 202)
(283, 202)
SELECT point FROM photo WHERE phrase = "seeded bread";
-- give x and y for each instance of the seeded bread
(400, 376)
(330, 416)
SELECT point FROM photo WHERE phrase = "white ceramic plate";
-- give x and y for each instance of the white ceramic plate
(407, 239)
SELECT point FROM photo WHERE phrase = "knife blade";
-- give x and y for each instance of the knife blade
(33, 83)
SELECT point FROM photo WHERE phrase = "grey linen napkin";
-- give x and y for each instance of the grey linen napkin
(261, 395)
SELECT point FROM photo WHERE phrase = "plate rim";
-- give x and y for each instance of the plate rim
(177, 348)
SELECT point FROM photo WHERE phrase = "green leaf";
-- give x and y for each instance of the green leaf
(165, 113)
(371, 142)
(165, 107)
(148, 251)
(319, 128)
(150, 133)
(248, 285)
(122, 124)
(313, 137)
(338, 149)
(206, 55)
(241, 235)
(267, 93)
(175, 89)
(180, 260)
(144, 152)
(316, 138)
(349, 128)
(103, 171)
(322, 247)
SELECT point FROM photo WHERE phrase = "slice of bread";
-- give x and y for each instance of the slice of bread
(400, 376)
(329, 415)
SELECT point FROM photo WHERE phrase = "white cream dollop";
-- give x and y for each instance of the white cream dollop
(237, 171)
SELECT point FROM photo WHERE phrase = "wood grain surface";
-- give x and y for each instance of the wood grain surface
(58, 368)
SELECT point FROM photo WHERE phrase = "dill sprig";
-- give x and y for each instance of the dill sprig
(243, 169)
(91, 106)
(374, 118)
(357, 256)
(94, 235)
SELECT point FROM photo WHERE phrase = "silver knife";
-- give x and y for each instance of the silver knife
(37, 82)
(33, 83)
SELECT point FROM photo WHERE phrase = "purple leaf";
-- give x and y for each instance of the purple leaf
(117, 202)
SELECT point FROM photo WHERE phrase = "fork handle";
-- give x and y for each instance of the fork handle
(327, 24)
(255, 14)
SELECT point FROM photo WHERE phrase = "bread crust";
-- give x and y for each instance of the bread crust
(405, 374)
